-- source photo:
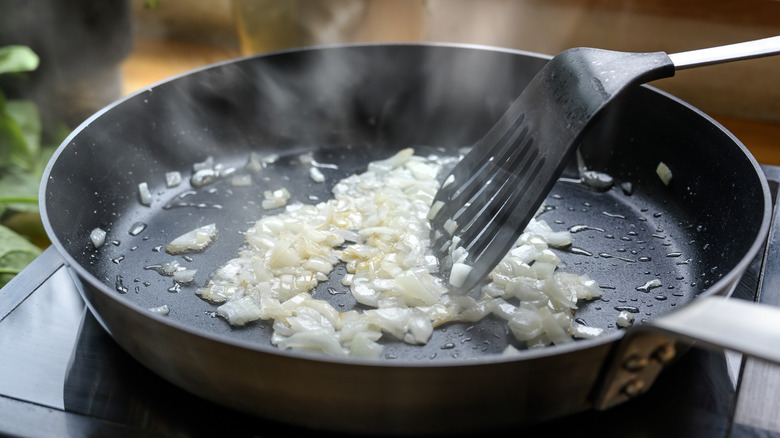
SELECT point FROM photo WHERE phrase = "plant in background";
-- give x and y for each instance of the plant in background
(24, 152)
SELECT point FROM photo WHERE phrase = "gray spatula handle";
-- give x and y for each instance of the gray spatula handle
(731, 52)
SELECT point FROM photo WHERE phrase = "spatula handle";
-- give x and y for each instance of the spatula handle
(731, 52)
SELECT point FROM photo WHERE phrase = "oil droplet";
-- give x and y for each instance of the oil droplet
(118, 260)
(157, 248)
(652, 284)
(578, 228)
(448, 346)
(645, 259)
(613, 215)
(660, 297)
(579, 251)
(175, 288)
(674, 254)
(334, 291)
(631, 309)
(157, 268)
(137, 228)
(179, 201)
(120, 285)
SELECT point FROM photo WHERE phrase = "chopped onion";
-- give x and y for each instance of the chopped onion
(241, 181)
(377, 225)
(193, 241)
(459, 273)
(664, 172)
(275, 199)
(172, 179)
(316, 175)
(144, 194)
(161, 310)
(625, 319)
(98, 237)
(184, 276)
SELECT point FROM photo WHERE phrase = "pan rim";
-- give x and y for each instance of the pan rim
(529, 354)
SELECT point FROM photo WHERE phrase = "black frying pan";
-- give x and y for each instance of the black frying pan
(350, 104)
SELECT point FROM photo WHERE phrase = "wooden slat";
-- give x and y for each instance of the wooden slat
(750, 12)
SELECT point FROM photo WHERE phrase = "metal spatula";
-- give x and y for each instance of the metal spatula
(492, 194)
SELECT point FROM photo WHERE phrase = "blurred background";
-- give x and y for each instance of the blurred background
(95, 51)
(92, 52)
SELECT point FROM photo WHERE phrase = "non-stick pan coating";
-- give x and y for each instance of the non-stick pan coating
(349, 105)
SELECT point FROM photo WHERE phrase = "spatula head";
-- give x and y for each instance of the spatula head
(491, 195)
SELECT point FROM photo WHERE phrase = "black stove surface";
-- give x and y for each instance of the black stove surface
(62, 375)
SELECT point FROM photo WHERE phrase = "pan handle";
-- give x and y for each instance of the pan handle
(714, 321)
(743, 326)
(29, 280)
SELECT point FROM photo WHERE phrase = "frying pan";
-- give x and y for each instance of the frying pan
(349, 104)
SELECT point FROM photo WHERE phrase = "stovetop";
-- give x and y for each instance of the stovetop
(62, 375)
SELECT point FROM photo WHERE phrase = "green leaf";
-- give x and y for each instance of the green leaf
(16, 59)
(19, 189)
(25, 114)
(15, 253)
(14, 150)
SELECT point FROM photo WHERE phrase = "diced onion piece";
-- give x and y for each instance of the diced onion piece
(450, 179)
(450, 226)
(318, 340)
(664, 172)
(625, 319)
(585, 332)
(144, 194)
(459, 273)
(172, 179)
(275, 199)
(240, 311)
(193, 241)
(306, 159)
(98, 237)
(597, 180)
(161, 310)
(168, 268)
(316, 175)
(435, 208)
(185, 276)
(203, 177)
(241, 181)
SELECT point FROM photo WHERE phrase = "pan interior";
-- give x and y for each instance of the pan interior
(623, 238)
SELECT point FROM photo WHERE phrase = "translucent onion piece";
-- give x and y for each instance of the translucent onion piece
(193, 241)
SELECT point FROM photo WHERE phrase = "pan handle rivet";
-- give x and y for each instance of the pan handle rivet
(634, 388)
(665, 353)
(635, 363)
